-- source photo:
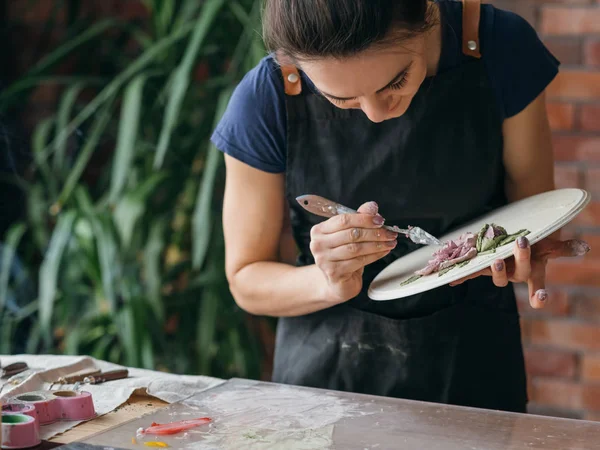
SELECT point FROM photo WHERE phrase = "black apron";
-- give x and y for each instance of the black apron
(437, 166)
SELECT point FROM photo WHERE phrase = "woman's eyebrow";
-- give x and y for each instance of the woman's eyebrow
(397, 78)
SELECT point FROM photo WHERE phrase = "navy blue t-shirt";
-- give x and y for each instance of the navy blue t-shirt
(253, 128)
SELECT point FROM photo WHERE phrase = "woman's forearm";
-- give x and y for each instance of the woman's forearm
(280, 290)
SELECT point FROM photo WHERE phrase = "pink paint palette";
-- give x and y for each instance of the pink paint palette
(60, 405)
(23, 415)
(19, 431)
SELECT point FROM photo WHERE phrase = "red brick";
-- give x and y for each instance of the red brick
(525, 329)
(558, 393)
(570, 20)
(132, 9)
(590, 368)
(590, 216)
(587, 307)
(551, 363)
(558, 305)
(565, 394)
(561, 115)
(576, 148)
(575, 84)
(45, 94)
(592, 180)
(594, 241)
(566, 176)
(37, 13)
(590, 117)
(585, 272)
(565, 334)
(591, 53)
(566, 49)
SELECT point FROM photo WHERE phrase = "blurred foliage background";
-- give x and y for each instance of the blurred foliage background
(119, 251)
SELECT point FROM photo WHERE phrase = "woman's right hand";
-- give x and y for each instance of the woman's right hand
(344, 244)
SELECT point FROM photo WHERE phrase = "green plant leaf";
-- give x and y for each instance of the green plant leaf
(14, 93)
(186, 13)
(147, 352)
(40, 138)
(62, 51)
(181, 77)
(33, 341)
(100, 123)
(149, 55)
(49, 271)
(100, 350)
(131, 207)
(164, 17)
(152, 272)
(65, 108)
(13, 237)
(207, 322)
(128, 130)
(127, 334)
(201, 222)
(37, 209)
(6, 331)
(72, 340)
(109, 268)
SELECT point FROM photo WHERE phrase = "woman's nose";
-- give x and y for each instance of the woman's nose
(376, 107)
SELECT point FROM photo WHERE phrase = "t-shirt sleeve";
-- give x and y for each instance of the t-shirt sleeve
(522, 65)
(253, 127)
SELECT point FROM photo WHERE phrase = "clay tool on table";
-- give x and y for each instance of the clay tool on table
(13, 369)
(14, 374)
(75, 377)
(103, 377)
(327, 208)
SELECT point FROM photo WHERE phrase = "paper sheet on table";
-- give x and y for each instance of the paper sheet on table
(108, 396)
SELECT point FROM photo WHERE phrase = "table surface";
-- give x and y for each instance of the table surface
(136, 406)
(256, 415)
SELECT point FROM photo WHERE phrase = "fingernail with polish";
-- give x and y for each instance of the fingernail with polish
(499, 266)
(371, 208)
(391, 234)
(522, 242)
(378, 220)
(542, 295)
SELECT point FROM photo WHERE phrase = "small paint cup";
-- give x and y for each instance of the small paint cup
(47, 410)
(19, 431)
(75, 405)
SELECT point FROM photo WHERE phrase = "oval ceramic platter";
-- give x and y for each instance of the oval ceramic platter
(541, 214)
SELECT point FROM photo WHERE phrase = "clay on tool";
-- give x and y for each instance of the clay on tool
(459, 252)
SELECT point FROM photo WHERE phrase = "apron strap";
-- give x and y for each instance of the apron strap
(470, 26)
(291, 80)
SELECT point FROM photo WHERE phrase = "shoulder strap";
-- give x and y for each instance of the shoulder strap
(291, 80)
(470, 27)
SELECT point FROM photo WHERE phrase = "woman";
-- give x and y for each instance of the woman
(436, 111)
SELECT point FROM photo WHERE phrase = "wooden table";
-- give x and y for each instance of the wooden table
(248, 413)
(136, 406)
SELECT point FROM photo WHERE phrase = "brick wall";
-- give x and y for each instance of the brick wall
(562, 342)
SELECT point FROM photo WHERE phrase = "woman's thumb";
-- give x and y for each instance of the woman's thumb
(369, 208)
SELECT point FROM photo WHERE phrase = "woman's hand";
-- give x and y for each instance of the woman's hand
(528, 265)
(344, 244)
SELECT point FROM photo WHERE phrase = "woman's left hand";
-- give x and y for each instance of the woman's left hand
(528, 265)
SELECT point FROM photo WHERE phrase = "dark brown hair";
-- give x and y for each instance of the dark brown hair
(312, 29)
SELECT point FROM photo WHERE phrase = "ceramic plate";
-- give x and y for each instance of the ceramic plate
(541, 214)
